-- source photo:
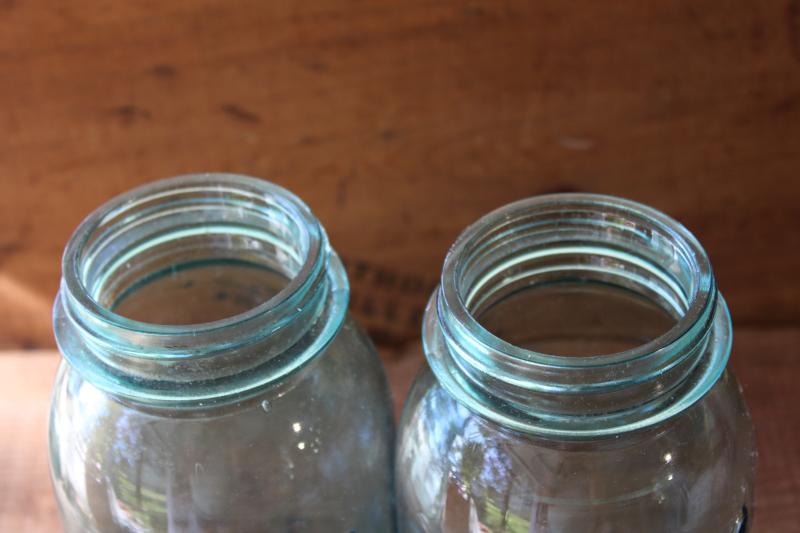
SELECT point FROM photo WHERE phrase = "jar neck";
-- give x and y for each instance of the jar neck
(585, 239)
(189, 220)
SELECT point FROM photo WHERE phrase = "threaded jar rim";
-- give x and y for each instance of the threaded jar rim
(207, 361)
(573, 396)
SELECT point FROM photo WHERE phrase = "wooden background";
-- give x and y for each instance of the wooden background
(400, 122)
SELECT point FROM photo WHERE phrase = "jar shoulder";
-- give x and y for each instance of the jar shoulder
(697, 466)
(118, 465)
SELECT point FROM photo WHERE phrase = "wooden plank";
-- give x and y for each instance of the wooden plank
(26, 499)
(401, 122)
(767, 362)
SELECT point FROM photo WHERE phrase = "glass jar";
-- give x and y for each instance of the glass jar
(212, 379)
(578, 349)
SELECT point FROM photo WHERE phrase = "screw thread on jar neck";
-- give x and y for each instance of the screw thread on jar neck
(190, 220)
(586, 239)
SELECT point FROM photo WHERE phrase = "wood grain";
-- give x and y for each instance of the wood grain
(401, 122)
(26, 499)
(767, 362)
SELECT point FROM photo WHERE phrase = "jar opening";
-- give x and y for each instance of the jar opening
(186, 293)
(198, 287)
(584, 256)
(576, 314)
(192, 251)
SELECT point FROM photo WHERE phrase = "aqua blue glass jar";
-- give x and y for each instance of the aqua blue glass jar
(577, 350)
(212, 379)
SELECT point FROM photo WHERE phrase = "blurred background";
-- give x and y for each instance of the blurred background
(399, 123)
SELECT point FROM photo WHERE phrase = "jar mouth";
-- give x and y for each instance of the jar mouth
(93, 253)
(189, 220)
(579, 224)
(586, 238)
